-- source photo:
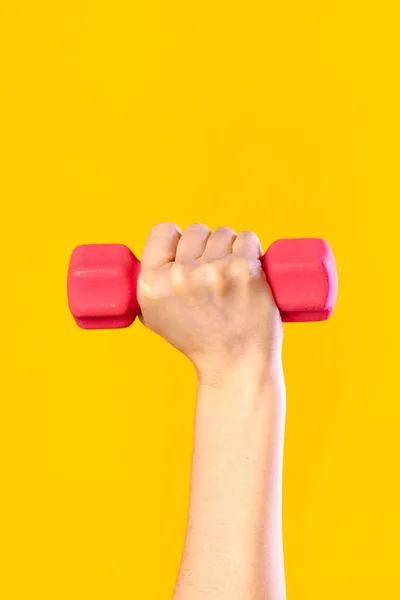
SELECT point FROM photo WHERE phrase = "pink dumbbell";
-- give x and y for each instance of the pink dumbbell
(102, 282)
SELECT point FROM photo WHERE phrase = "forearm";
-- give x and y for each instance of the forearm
(233, 548)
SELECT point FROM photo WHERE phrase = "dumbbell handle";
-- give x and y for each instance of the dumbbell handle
(102, 282)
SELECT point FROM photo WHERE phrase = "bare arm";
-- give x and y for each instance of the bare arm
(233, 548)
(206, 294)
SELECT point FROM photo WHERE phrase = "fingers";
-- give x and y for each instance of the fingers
(193, 242)
(219, 243)
(166, 243)
(248, 245)
(161, 245)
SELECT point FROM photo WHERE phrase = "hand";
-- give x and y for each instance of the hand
(205, 292)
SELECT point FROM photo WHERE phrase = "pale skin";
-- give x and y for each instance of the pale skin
(206, 294)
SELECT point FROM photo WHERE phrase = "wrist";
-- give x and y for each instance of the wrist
(254, 370)
(252, 394)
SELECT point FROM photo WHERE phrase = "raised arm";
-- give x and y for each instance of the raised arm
(205, 293)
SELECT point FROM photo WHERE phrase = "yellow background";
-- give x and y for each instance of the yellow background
(279, 117)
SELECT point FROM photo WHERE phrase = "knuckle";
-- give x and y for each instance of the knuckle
(195, 227)
(163, 227)
(247, 234)
(207, 274)
(178, 277)
(240, 267)
(247, 239)
(149, 288)
(148, 292)
(222, 230)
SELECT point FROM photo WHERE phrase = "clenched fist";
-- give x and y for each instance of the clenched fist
(205, 292)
